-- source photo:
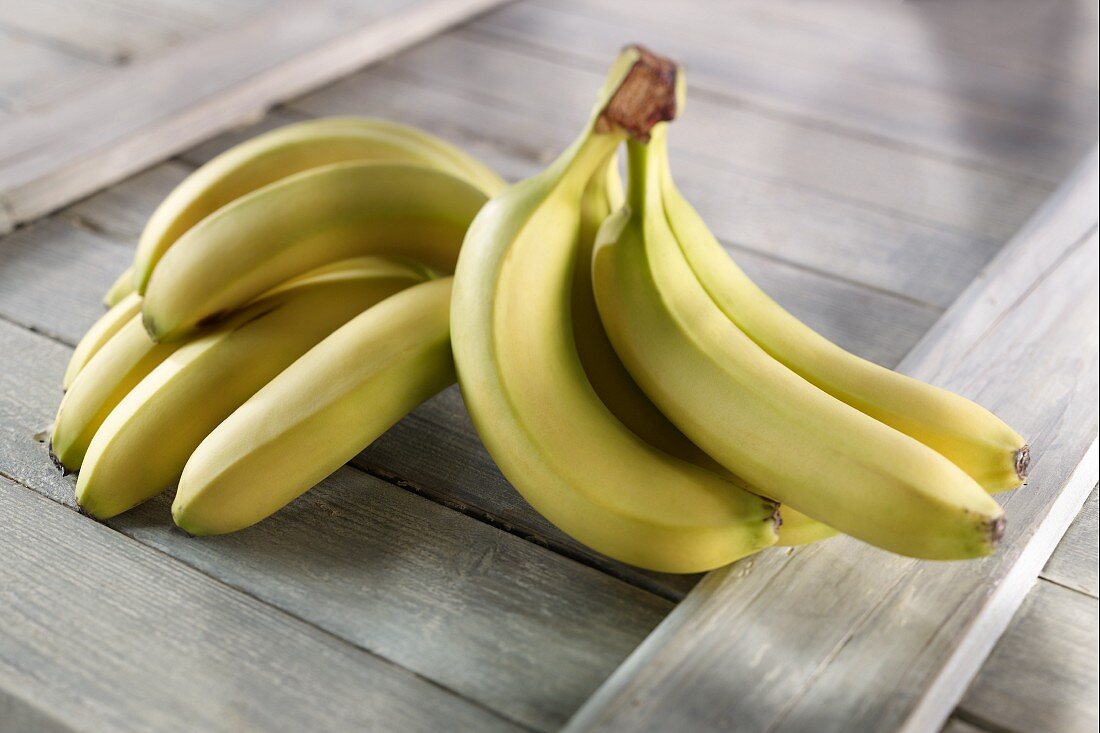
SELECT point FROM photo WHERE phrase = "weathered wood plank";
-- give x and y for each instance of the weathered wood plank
(32, 73)
(779, 69)
(119, 212)
(53, 277)
(52, 157)
(453, 599)
(857, 169)
(841, 636)
(1042, 676)
(1073, 563)
(801, 227)
(100, 633)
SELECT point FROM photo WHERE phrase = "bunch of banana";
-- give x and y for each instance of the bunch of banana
(647, 447)
(307, 261)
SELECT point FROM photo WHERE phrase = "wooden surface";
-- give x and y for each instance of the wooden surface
(863, 161)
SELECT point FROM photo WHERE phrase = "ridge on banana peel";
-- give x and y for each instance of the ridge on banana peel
(301, 222)
(142, 445)
(283, 152)
(99, 334)
(969, 435)
(759, 419)
(526, 389)
(612, 382)
(320, 412)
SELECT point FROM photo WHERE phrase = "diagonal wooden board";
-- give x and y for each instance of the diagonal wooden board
(143, 114)
(840, 636)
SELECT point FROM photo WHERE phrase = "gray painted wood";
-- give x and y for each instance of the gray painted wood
(1042, 676)
(99, 633)
(1074, 562)
(52, 157)
(841, 636)
(53, 277)
(34, 73)
(743, 54)
(119, 212)
(499, 620)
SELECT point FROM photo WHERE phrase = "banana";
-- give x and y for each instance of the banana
(100, 333)
(972, 437)
(283, 152)
(613, 383)
(142, 445)
(320, 412)
(120, 288)
(302, 222)
(756, 417)
(526, 389)
(114, 370)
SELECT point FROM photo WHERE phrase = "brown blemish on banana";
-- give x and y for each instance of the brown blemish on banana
(995, 529)
(646, 96)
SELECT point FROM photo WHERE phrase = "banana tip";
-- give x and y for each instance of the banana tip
(56, 461)
(645, 97)
(995, 529)
(1022, 462)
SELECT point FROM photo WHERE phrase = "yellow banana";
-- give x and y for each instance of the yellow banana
(286, 151)
(142, 445)
(971, 436)
(526, 388)
(756, 417)
(614, 385)
(301, 222)
(100, 333)
(320, 412)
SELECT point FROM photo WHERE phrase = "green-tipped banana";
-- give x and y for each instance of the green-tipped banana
(526, 389)
(320, 412)
(972, 437)
(100, 333)
(759, 419)
(286, 151)
(614, 385)
(142, 445)
(120, 288)
(302, 222)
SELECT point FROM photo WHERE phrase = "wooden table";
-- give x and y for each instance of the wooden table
(866, 162)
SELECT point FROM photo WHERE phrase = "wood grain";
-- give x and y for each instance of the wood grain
(745, 55)
(1042, 676)
(405, 578)
(841, 636)
(1074, 562)
(170, 649)
(52, 157)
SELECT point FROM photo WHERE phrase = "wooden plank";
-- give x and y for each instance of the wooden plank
(33, 73)
(840, 636)
(785, 222)
(1073, 563)
(1042, 676)
(53, 277)
(856, 169)
(119, 212)
(450, 598)
(99, 633)
(783, 69)
(52, 157)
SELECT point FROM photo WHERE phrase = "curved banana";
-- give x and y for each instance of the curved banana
(613, 383)
(291, 149)
(525, 387)
(100, 333)
(301, 222)
(320, 412)
(968, 434)
(760, 420)
(142, 445)
(120, 288)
